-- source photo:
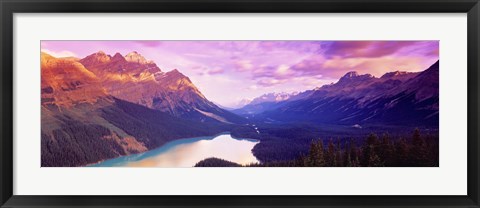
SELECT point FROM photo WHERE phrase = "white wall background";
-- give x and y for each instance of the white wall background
(448, 179)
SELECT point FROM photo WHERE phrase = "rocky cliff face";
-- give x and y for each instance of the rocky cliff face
(135, 79)
(66, 82)
(131, 78)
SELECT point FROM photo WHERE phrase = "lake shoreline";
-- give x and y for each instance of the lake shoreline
(127, 160)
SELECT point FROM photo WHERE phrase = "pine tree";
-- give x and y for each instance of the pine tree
(338, 155)
(402, 152)
(354, 155)
(347, 159)
(374, 161)
(418, 153)
(386, 150)
(368, 150)
(330, 157)
(310, 160)
(432, 147)
(316, 154)
(339, 159)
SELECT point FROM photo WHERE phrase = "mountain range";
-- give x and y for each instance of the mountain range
(100, 107)
(397, 98)
(137, 80)
(263, 102)
(103, 106)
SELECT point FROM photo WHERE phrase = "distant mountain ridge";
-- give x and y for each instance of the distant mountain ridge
(394, 98)
(273, 97)
(263, 102)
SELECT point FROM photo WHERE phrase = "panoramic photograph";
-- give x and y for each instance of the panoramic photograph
(186, 104)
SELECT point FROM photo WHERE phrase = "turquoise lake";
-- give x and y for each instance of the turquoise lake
(187, 152)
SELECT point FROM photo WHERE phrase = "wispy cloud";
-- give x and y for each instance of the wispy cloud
(243, 65)
(216, 71)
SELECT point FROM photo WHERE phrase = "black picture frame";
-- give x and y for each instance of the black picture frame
(10, 7)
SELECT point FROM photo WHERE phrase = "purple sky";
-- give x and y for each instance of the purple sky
(229, 71)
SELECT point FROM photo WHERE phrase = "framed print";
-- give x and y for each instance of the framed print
(239, 104)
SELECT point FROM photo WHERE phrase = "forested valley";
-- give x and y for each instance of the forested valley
(415, 150)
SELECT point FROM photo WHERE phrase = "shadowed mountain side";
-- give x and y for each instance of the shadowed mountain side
(89, 133)
(394, 99)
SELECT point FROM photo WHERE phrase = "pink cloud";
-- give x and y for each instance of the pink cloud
(376, 66)
(216, 71)
(310, 66)
(420, 49)
(270, 82)
(243, 65)
(350, 49)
